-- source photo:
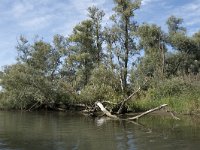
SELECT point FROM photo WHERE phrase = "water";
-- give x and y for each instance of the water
(67, 131)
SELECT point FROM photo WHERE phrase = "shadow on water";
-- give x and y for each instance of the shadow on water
(61, 131)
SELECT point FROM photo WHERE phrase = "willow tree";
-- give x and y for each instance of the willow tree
(124, 28)
(174, 25)
(186, 47)
(35, 80)
(153, 41)
(86, 47)
(82, 49)
(96, 15)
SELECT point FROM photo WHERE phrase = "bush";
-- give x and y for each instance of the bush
(181, 94)
(103, 86)
(168, 88)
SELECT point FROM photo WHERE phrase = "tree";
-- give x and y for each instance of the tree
(153, 41)
(174, 25)
(83, 54)
(186, 47)
(124, 28)
(96, 15)
(35, 79)
(110, 38)
(102, 86)
(196, 38)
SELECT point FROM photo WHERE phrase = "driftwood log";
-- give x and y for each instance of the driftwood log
(147, 112)
(105, 111)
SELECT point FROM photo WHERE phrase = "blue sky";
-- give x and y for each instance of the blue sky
(46, 18)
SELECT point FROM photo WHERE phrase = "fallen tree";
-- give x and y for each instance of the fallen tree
(147, 112)
(107, 113)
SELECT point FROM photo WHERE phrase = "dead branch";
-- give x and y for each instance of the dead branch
(147, 112)
(128, 98)
(108, 102)
(105, 111)
(125, 100)
(173, 115)
(33, 106)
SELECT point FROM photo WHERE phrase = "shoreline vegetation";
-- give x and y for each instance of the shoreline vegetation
(124, 65)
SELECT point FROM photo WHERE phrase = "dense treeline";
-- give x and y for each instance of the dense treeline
(107, 63)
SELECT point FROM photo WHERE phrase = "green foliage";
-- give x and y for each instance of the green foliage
(168, 88)
(101, 64)
(103, 86)
(182, 95)
(122, 39)
(83, 52)
(153, 41)
(174, 25)
(188, 53)
(96, 15)
(151, 38)
(34, 79)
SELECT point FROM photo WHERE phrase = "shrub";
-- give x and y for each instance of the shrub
(181, 94)
(103, 86)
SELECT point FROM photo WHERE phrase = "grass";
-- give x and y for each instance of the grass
(181, 94)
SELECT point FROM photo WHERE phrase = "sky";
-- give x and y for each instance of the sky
(46, 18)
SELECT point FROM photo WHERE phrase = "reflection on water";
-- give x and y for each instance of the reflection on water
(67, 131)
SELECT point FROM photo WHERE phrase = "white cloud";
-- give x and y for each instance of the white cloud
(190, 12)
(146, 2)
(36, 23)
(33, 13)
(20, 9)
(49, 17)
(81, 6)
(77, 11)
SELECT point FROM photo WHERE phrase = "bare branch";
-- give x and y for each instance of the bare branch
(147, 112)
(105, 111)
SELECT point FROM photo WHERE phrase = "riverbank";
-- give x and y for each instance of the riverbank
(182, 94)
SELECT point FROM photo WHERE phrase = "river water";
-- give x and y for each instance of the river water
(69, 131)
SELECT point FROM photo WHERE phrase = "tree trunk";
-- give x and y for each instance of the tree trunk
(126, 45)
